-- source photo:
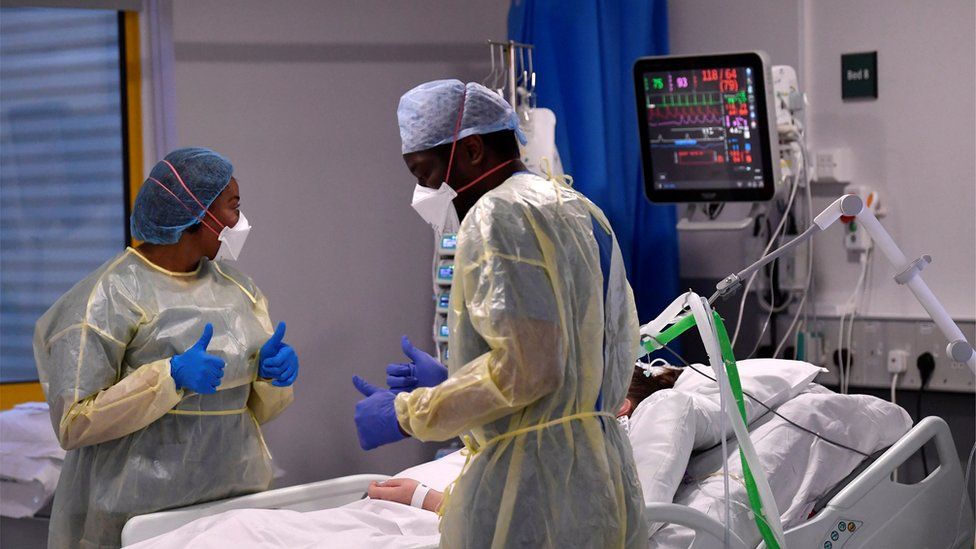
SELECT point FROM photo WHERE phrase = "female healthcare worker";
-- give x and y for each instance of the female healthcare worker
(543, 339)
(161, 364)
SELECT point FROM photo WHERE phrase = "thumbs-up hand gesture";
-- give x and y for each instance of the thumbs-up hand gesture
(422, 371)
(278, 360)
(375, 417)
(196, 369)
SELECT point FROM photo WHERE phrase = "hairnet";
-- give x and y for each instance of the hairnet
(165, 209)
(428, 114)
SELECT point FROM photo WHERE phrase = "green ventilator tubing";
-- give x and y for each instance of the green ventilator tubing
(728, 358)
(667, 336)
(733, 374)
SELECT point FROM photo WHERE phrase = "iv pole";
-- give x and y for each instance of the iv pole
(958, 349)
(510, 68)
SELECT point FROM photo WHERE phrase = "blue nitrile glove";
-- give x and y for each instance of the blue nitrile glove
(376, 420)
(278, 361)
(197, 370)
(423, 370)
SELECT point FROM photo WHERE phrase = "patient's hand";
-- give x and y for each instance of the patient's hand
(401, 490)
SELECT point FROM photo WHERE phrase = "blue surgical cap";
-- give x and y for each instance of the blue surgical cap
(162, 212)
(428, 114)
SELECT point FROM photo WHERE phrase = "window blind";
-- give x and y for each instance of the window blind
(62, 198)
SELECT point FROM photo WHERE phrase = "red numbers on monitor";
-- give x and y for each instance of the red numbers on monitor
(729, 80)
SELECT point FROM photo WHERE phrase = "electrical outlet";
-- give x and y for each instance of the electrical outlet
(833, 165)
(875, 338)
(898, 361)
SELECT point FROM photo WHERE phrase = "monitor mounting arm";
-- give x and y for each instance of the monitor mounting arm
(909, 272)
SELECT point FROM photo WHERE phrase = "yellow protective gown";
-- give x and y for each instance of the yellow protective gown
(536, 351)
(135, 443)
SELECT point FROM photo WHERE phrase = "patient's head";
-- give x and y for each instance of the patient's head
(642, 386)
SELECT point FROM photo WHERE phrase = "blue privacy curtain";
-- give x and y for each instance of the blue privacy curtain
(584, 56)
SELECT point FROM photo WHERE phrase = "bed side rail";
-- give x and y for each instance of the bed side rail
(880, 471)
(304, 497)
(888, 514)
(709, 533)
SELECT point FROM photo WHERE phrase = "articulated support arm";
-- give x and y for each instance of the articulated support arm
(909, 272)
(910, 275)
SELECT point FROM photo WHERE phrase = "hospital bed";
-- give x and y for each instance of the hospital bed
(884, 513)
(325, 494)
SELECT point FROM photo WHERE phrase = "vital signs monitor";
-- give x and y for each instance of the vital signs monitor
(707, 127)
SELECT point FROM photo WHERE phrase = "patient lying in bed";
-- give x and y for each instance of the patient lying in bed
(668, 415)
(401, 489)
(675, 430)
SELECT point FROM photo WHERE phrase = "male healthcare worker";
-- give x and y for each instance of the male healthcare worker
(543, 338)
(160, 365)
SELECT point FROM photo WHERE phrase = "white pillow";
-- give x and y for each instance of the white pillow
(668, 425)
(773, 381)
(662, 433)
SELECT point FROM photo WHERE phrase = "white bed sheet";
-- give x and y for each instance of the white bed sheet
(30, 459)
(365, 523)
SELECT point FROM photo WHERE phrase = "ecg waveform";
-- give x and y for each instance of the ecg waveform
(685, 116)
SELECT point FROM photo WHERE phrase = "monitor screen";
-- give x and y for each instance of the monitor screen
(705, 129)
(449, 241)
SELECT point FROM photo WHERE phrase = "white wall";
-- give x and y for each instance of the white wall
(915, 143)
(302, 96)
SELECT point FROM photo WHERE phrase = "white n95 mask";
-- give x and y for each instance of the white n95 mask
(436, 207)
(232, 240)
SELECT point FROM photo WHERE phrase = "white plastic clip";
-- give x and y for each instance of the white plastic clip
(912, 270)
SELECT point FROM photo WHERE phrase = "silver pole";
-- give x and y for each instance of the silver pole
(511, 72)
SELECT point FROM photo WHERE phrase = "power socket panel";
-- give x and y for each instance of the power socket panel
(875, 337)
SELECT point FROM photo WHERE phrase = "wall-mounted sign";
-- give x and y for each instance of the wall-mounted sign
(859, 75)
